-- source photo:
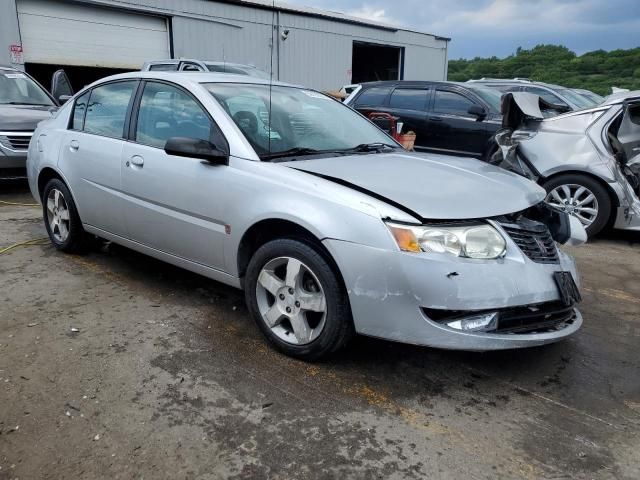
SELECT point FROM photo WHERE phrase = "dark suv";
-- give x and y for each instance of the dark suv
(447, 117)
(23, 103)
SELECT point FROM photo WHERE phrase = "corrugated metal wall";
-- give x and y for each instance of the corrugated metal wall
(317, 52)
(9, 34)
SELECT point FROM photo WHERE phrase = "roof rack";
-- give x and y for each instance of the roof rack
(490, 79)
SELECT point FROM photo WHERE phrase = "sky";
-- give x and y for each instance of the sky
(486, 28)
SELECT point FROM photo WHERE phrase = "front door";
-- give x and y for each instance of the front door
(91, 153)
(169, 204)
(452, 129)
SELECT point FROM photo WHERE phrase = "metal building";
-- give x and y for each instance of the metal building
(320, 49)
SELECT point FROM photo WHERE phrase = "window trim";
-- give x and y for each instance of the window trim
(136, 85)
(73, 111)
(135, 111)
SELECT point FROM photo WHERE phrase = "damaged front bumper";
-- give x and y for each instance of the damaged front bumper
(415, 298)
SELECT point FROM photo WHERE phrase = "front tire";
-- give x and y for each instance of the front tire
(61, 218)
(583, 197)
(297, 299)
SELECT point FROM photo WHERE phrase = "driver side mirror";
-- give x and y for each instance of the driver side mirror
(196, 148)
(477, 111)
(61, 87)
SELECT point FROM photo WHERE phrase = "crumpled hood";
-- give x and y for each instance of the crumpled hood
(23, 117)
(433, 186)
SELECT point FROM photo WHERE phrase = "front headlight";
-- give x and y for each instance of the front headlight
(472, 241)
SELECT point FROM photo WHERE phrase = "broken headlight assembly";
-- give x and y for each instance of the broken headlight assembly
(480, 241)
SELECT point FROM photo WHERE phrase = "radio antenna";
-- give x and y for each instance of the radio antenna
(273, 29)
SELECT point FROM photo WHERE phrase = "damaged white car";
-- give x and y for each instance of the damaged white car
(588, 161)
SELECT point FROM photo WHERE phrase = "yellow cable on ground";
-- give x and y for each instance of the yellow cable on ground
(20, 204)
(36, 241)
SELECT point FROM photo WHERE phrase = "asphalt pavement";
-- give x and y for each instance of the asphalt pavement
(115, 365)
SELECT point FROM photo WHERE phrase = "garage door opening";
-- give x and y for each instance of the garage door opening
(78, 76)
(88, 41)
(371, 62)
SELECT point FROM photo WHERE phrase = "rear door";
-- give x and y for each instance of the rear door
(173, 204)
(451, 128)
(372, 99)
(91, 153)
(409, 104)
(629, 135)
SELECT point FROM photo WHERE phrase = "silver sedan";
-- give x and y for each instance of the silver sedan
(328, 225)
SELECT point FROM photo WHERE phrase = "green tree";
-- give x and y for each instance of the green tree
(597, 71)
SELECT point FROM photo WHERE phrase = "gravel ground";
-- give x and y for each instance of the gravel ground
(114, 365)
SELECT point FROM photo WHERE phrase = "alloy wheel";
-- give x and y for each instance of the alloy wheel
(291, 300)
(58, 215)
(576, 200)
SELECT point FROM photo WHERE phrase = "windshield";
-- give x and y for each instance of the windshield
(302, 121)
(16, 88)
(575, 98)
(594, 98)
(490, 95)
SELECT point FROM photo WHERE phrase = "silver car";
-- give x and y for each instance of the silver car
(23, 103)
(565, 98)
(588, 160)
(328, 225)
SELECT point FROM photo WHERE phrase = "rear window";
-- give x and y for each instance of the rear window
(372, 97)
(164, 67)
(408, 99)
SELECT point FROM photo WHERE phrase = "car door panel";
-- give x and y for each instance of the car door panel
(451, 129)
(91, 152)
(167, 198)
(409, 105)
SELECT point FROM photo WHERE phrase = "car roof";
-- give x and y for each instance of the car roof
(185, 78)
(196, 60)
(515, 81)
(6, 67)
(415, 83)
(621, 97)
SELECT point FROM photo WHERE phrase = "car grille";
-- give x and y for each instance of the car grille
(535, 319)
(540, 318)
(15, 140)
(534, 239)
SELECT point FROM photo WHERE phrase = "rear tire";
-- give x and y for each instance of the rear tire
(61, 218)
(583, 197)
(297, 299)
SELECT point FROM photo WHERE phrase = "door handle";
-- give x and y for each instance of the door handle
(137, 160)
(435, 119)
(74, 145)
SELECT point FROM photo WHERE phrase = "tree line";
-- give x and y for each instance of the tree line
(597, 71)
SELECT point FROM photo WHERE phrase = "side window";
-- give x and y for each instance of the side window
(408, 99)
(451, 102)
(79, 109)
(545, 95)
(107, 109)
(190, 67)
(165, 112)
(164, 67)
(372, 97)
